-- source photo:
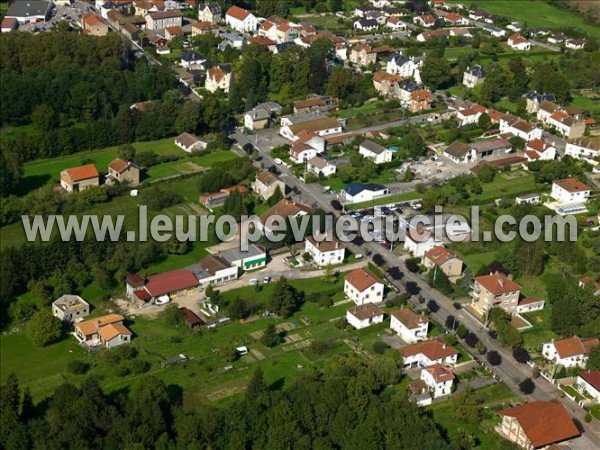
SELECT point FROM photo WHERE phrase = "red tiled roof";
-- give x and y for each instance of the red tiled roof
(325, 245)
(175, 30)
(529, 301)
(538, 145)
(410, 319)
(439, 373)
(572, 185)
(497, 283)
(216, 73)
(238, 13)
(204, 25)
(262, 41)
(574, 346)
(592, 377)
(366, 311)
(543, 423)
(420, 95)
(9, 22)
(516, 38)
(171, 281)
(362, 279)
(439, 255)
(119, 165)
(82, 172)
(434, 349)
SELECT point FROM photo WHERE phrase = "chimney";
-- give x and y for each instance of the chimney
(444, 345)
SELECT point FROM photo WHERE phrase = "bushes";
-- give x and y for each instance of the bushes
(77, 367)
(380, 347)
(507, 334)
(320, 347)
(139, 366)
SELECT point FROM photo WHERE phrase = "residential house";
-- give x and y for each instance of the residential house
(365, 25)
(585, 148)
(519, 127)
(540, 149)
(473, 76)
(425, 20)
(411, 327)
(231, 40)
(216, 199)
(569, 352)
(535, 99)
(284, 210)
(463, 153)
(567, 125)
(256, 119)
(106, 331)
(427, 353)
(557, 38)
(575, 44)
(420, 99)
(494, 291)
(241, 20)
(530, 304)
(385, 83)
(362, 11)
(124, 172)
(320, 167)
(440, 258)
(588, 383)
(439, 380)
(163, 285)
(570, 190)
(494, 31)
(214, 270)
(255, 257)
(173, 32)
(301, 152)
(79, 178)
(363, 55)
(209, 12)
(533, 199)
(320, 127)
(363, 316)
(419, 241)
(266, 183)
(361, 286)
(361, 192)
(315, 104)
(202, 28)
(396, 24)
(70, 308)
(454, 19)
(192, 60)
(190, 142)
(163, 19)
(94, 25)
(374, 151)
(537, 424)
(218, 78)
(279, 30)
(469, 114)
(325, 251)
(518, 42)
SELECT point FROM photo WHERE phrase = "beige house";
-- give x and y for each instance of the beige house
(106, 331)
(124, 172)
(163, 19)
(266, 183)
(94, 25)
(79, 178)
(70, 308)
(203, 28)
(494, 291)
(537, 425)
(209, 12)
(444, 260)
(218, 77)
(363, 55)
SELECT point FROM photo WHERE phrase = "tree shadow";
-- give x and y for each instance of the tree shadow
(33, 182)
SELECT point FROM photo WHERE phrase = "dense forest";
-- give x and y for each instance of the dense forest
(344, 406)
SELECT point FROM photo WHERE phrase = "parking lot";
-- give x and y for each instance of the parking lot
(72, 15)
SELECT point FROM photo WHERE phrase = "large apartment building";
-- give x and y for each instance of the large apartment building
(494, 291)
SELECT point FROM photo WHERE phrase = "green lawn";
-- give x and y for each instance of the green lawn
(507, 185)
(595, 411)
(536, 13)
(487, 438)
(537, 54)
(394, 198)
(540, 332)
(367, 108)
(43, 369)
(589, 104)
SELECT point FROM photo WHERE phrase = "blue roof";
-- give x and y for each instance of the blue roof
(356, 188)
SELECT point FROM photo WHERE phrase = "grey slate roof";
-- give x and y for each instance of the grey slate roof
(26, 8)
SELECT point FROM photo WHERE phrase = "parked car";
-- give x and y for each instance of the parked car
(253, 282)
(266, 280)
(278, 161)
(163, 300)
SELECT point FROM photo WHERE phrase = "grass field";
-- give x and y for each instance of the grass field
(494, 395)
(536, 13)
(42, 369)
(394, 198)
(537, 54)
(589, 104)
(47, 171)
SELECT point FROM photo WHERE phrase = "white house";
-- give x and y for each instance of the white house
(420, 241)
(439, 380)
(190, 142)
(519, 127)
(256, 119)
(241, 20)
(365, 25)
(585, 148)
(321, 127)
(544, 151)
(374, 151)
(533, 199)
(319, 166)
(209, 12)
(530, 304)
(395, 24)
(406, 67)
(361, 286)
(410, 327)
(106, 331)
(569, 352)
(192, 60)
(325, 252)
(570, 190)
(589, 382)
(218, 77)
(363, 316)
(473, 76)
(518, 42)
(301, 153)
(426, 353)
(359, 192)
(70, 308)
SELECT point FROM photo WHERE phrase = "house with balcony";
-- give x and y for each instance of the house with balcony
(427, 353)
(494, 291)
(570, 190)
(411, 327)
(361, 286)
(325, 251)
(439, 380)
(569, 352)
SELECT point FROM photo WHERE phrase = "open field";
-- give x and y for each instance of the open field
(536, 13)
(394, 198)
(536, 54)
(204, 377)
